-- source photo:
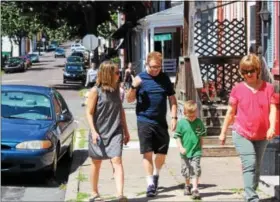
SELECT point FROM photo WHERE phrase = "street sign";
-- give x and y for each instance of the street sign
(162, 37)
(90, 42)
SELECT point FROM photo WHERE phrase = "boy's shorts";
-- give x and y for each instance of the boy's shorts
(190, 167)
(153, 138)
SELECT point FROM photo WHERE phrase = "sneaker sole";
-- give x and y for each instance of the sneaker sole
(151, 194)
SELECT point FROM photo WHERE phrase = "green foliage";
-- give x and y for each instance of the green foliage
(63, 19)
(116, 60)
(107, 28)
(13, 23)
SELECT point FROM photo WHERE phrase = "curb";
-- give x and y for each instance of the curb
(73, 183)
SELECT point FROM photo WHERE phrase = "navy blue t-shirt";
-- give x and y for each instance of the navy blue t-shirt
(151, 96)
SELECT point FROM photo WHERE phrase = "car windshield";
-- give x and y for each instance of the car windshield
(74, 59)
(25, 105)
(32, 55)
(59, 50)
(79, 54)
(13, 60)
(74, 68)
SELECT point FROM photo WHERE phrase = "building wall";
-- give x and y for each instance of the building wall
(7, 46)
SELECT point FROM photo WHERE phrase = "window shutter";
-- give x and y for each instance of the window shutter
(270, 40)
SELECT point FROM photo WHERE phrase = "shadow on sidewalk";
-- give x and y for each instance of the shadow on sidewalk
(272, 199)
(205, 186)
(215, 193)
(168, 189)
(145, 199)
(79, 157)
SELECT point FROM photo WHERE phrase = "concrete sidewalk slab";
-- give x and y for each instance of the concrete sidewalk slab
(221, 178)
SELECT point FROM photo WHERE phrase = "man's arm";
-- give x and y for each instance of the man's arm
(173, 109)
(131, 95)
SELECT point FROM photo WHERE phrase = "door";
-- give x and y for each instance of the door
(67, 127)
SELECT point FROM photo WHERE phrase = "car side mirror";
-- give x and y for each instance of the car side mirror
(63, 118)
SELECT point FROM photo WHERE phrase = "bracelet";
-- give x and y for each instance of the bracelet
(175, 117)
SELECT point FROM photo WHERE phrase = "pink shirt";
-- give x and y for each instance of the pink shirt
(252, 117)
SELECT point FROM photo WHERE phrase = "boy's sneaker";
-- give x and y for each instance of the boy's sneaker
(187, 190)
(195, 194)
(155, 179)
(151, 191)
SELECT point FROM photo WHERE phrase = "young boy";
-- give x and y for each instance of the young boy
(188, 134)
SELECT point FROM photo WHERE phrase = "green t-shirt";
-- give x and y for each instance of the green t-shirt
(190, 133)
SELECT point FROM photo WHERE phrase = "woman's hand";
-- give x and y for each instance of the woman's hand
(95, 137)
(126, 138)
(270, 134)
(222, 138)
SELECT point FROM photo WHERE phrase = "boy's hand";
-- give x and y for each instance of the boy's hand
(183, 151)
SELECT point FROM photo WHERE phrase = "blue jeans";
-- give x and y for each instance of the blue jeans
(251, 154)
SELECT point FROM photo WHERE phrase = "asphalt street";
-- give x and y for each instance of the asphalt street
(35, 187)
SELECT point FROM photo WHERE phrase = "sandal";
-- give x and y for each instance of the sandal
(96, 198)
(122, 199)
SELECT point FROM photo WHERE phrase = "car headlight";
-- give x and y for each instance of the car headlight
(66, 74)
(36, 144)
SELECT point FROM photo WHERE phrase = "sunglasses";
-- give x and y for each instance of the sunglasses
(251, 71)
(155, 67)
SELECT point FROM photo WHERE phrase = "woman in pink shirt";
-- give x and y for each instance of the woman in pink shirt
(253, 115)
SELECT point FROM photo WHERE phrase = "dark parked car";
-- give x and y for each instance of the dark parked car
(59, 52)
(37, 129)
(74, 59)
(15, 64)
(74, 72)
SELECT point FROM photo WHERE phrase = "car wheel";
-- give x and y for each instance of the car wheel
(51, 173)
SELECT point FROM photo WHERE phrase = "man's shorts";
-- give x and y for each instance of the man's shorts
(190, 167)
(153, 138)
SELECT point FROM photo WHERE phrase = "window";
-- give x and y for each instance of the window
(25, 105)
(62, 103)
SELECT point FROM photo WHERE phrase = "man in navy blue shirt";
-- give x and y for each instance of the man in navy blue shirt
(151, 89)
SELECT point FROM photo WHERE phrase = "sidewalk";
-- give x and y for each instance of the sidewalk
(221, 178)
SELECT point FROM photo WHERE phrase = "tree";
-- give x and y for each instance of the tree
(107, 28)
(14, 24)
